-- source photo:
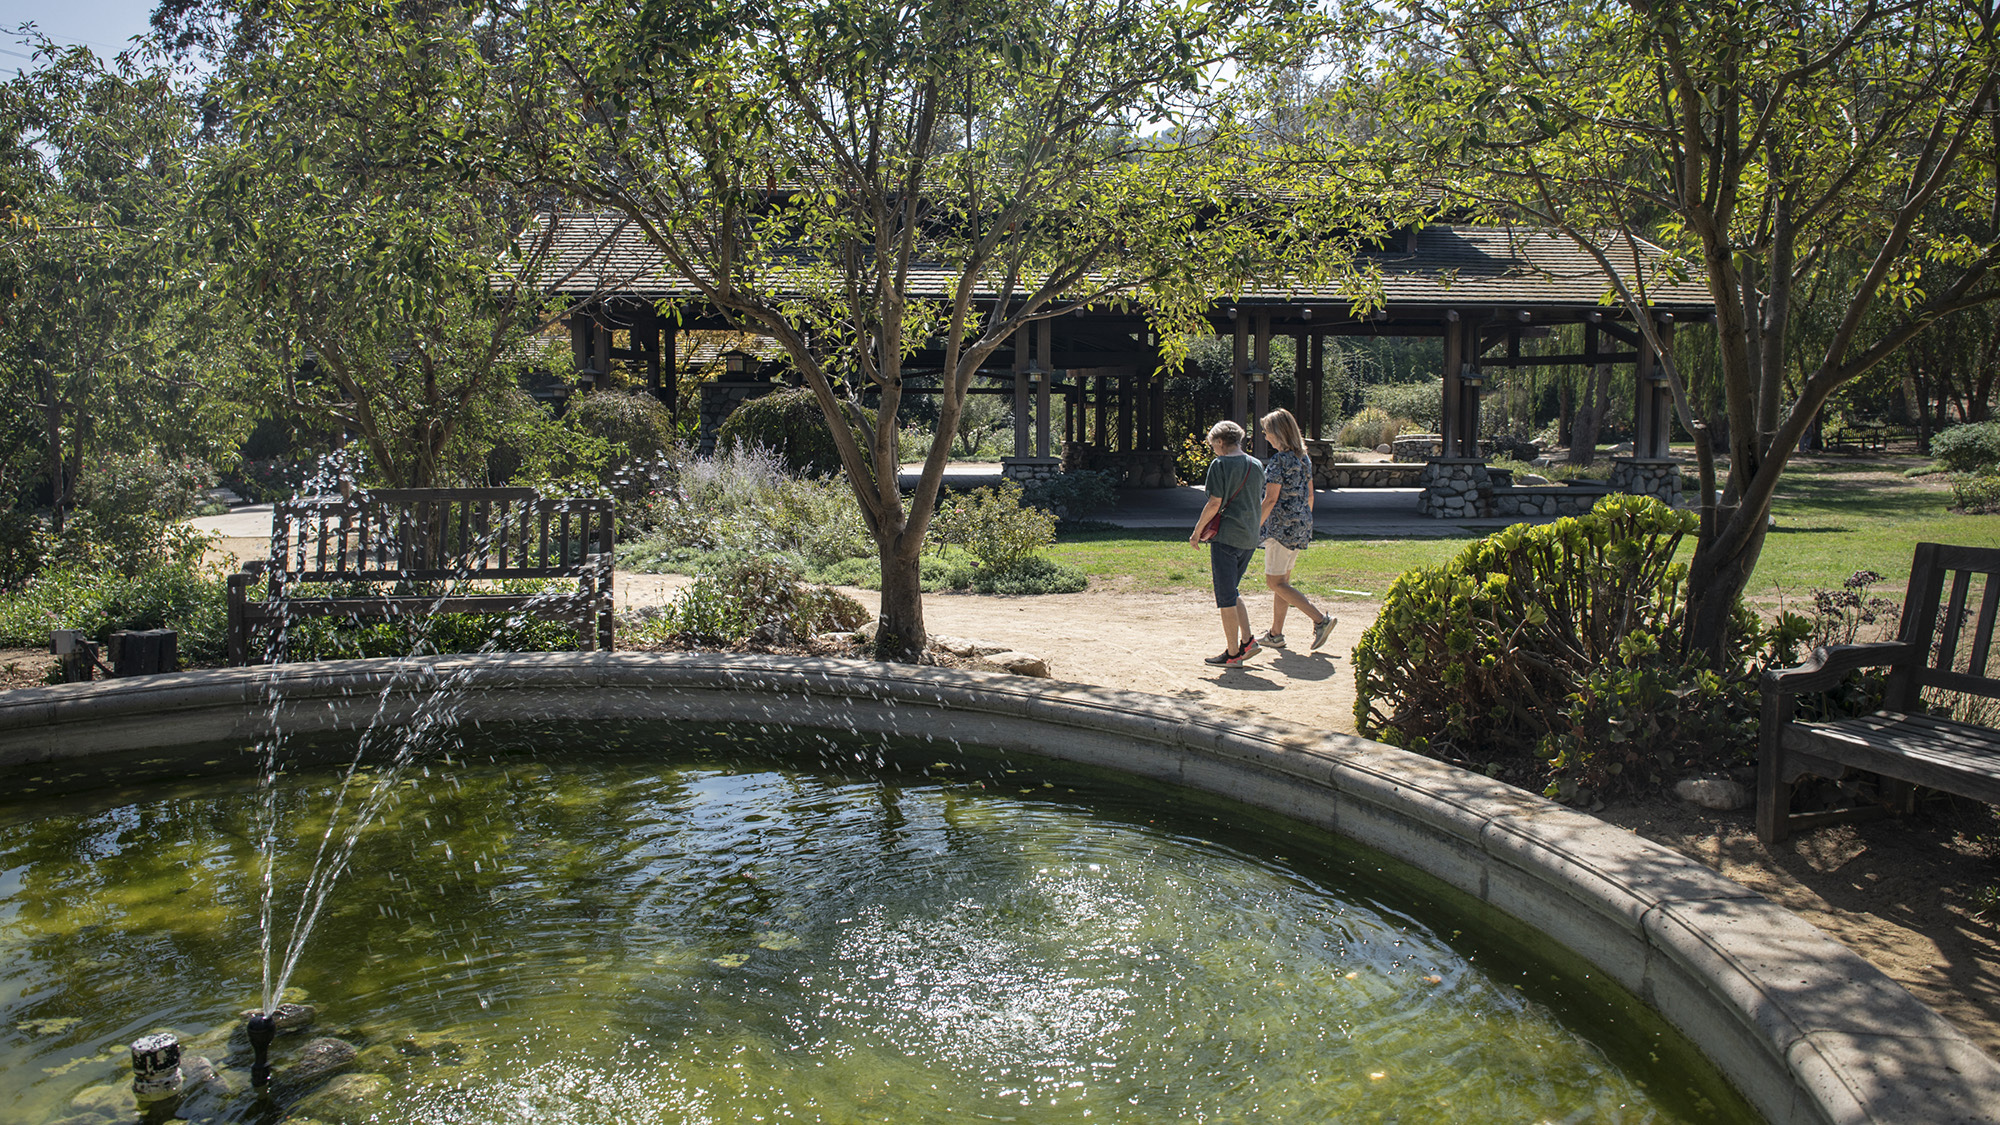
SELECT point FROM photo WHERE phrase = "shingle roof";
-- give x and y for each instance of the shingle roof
(1451, 266)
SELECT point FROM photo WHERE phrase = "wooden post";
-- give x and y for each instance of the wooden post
(670, 372)
(1262, 386)
(1239, 403)
(1046, 361)
(1318, 370)
(1455, 333)
(646, 341)
(1021, 337)
(579, 339)
(1663, 400)
(1643, 397)
(600, 349)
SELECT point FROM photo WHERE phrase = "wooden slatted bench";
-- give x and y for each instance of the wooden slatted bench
(1900, 743)
(405, 538)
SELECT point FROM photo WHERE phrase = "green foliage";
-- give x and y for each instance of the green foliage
(177, 594)
(332, 638)
(1968, 449)
(1374, 427)
(1075, 494)
(744, 502)
(1563, 644)
(1421, 404)
(636, 423)
(128, 504)
(752, 597)
(1192, 460)
(1975, 493)
(789, 423)
(993, 526)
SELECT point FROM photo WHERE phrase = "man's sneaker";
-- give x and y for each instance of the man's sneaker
(1272, 640)
(1250, 649)
(1323, 630)
(1220, 659)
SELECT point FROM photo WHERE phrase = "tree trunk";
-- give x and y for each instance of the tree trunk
(1590, 419)
(1716, 583)
(899, 633)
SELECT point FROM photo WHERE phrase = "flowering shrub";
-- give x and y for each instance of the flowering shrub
(1191, 463)
(993, 526)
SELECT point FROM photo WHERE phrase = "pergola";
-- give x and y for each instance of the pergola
(1088, 389)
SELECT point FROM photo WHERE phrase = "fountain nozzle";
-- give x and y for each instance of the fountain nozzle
(262, 1029)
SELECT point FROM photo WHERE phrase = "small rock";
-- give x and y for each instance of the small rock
(1713, 792)
(957, 646)
(1531, 480)
(318, 1059)
(1385, 447)
(1019, 663)
(345, 1094)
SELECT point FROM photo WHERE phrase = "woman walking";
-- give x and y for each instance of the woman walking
(1235, 480)
(1288, 525)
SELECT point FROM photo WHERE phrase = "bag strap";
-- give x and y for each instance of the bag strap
(1239, 489)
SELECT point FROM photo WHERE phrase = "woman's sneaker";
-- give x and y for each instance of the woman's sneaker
(1220, 659)
(1323, 630)
(1250, 649)
(1272, 640)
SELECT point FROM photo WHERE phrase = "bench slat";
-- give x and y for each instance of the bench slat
(1952, 757)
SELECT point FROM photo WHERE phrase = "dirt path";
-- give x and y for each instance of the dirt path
(1156, 642)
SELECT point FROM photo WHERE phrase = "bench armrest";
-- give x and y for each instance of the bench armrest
(1829, 664)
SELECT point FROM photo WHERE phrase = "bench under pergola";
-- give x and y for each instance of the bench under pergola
(1088, 389)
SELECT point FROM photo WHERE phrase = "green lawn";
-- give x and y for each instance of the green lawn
(1835, 517)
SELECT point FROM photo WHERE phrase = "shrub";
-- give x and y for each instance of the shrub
(126, 504)
(1193, 459)
(1071, 495)
(1562, 644)
(755, 597)
(1976, 493)
(636, 421)
(789, 423)
(993, 526)
(1421, 403)
(1036, 574)
(1373, 427)
(1968, 449)
(176, 595)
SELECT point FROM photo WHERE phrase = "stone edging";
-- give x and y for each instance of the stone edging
(1805, 1028)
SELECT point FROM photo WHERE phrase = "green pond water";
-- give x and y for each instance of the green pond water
(665, 924)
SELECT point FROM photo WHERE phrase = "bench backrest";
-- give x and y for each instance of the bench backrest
(437, 534)
(1949, 611)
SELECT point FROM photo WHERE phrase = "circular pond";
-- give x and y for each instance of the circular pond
(713, 923)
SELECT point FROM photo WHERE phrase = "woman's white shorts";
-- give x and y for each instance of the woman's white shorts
(1278, 558)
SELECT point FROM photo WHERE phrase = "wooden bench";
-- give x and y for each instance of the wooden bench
(1900, 743)
(404, 538)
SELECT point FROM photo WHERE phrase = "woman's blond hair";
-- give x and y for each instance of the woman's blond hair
(1281, 425)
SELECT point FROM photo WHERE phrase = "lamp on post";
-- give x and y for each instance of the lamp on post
(736, 364)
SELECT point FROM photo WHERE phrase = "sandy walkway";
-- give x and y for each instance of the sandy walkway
(1155, 643)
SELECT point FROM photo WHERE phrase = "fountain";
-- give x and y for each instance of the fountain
(924, 991)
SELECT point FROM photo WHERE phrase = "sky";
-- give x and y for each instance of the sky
(102, 25)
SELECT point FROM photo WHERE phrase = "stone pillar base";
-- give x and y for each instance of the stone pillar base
(1455, 488)
(1659, 478)
(1027, 469)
